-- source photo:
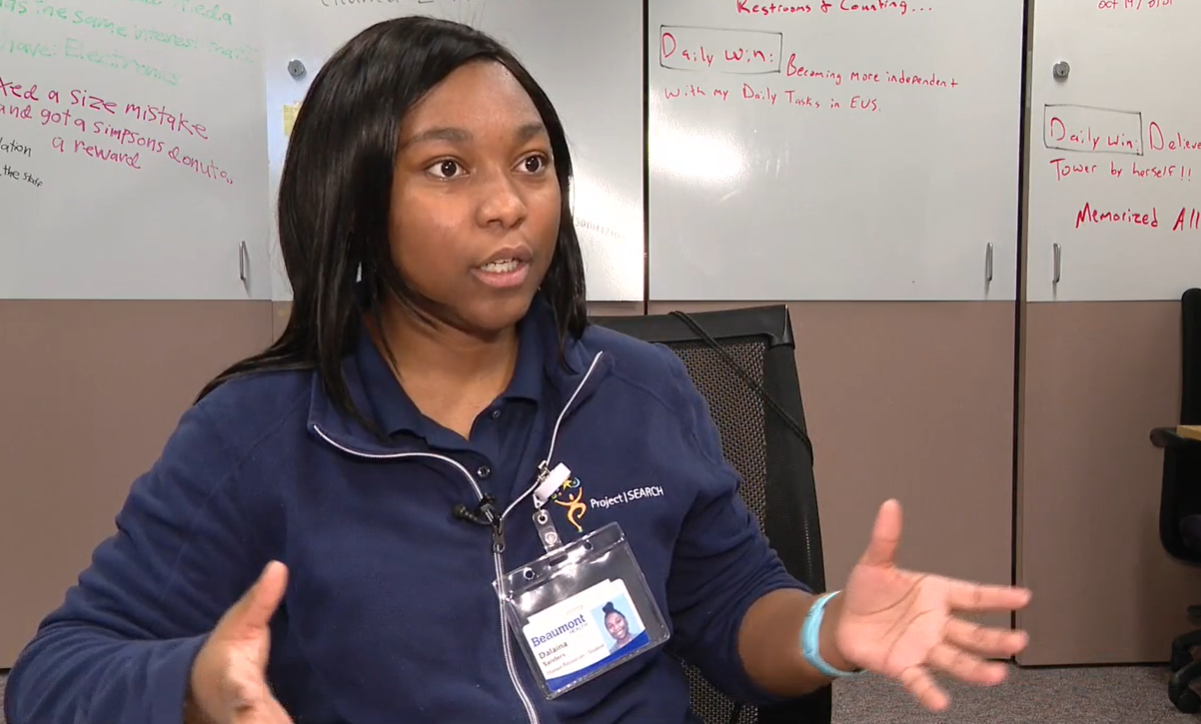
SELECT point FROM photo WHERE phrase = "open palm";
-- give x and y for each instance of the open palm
(901, 624)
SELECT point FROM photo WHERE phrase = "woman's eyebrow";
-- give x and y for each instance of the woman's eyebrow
(461, 135)
(453, 135)
(529, 130)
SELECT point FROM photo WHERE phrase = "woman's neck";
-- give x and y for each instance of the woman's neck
(450, 375)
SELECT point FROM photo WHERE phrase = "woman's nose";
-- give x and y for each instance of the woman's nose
(501, 203)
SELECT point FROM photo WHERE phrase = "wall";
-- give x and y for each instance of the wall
(1096, 378)
(1093, 379)
(90, 391)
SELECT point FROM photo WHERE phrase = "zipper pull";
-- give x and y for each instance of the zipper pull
(498, 536)
(493, 519)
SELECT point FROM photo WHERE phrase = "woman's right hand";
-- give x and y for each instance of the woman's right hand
(228, 684)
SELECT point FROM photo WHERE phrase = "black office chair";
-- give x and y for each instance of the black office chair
(743, 362)
(1180, 498)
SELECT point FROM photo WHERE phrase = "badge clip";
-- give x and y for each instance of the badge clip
(549, 484)
(546, 530)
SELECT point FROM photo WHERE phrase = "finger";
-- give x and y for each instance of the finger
(988, 642)
(252, 700)
(274, 715)
(966, 666)
(277, 713)
(245, 686)
(256, 607)
(967, 596)
(886, 536)
(269, 712)
(917, 681)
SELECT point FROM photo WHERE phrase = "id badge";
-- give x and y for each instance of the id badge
(581, 610)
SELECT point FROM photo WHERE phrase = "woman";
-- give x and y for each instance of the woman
(618, 627)
(319, 539)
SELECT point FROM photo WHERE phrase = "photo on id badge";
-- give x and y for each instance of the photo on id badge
(623, 629)
(586, 635)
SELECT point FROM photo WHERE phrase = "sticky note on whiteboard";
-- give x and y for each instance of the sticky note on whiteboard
(290, 111)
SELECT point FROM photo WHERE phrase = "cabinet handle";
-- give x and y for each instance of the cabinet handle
(243, 261)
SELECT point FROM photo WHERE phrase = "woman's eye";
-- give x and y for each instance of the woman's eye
(445, 169)
(534, 164)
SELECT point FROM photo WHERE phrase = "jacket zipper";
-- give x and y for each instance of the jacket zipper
(496, 522)
(544, 466)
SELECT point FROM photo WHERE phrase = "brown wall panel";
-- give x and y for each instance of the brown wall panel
(913, 401)
(1097, 377)
(90, 391)
(282, 310)
(614, 309)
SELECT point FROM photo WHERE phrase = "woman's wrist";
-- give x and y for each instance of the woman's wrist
(828, 636)
(820, 645)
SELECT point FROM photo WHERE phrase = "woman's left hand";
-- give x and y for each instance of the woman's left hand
(901, 624)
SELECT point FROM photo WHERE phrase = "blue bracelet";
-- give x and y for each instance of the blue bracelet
(811, 641)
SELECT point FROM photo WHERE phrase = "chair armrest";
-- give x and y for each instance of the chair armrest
(1167, 437)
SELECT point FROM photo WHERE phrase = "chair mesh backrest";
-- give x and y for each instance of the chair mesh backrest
(738, 411)
(1181, 495)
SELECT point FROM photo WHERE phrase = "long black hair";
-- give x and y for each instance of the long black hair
(336, 185)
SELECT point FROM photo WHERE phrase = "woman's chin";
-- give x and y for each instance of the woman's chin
(500, 314)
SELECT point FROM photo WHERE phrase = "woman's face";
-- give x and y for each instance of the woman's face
(475, 200)
(616, 625)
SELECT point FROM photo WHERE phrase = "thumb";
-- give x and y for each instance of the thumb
(886, 536)
(254, 610)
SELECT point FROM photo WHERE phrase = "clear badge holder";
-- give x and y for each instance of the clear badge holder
(582, 609)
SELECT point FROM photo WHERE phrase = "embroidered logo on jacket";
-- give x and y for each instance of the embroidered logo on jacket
(571, 496)
(628, 496)
(573, 501)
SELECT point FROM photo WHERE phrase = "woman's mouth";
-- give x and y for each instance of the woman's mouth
(503, 273)
(502, 266)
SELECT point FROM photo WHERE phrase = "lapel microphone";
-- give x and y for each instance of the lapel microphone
(483, 513)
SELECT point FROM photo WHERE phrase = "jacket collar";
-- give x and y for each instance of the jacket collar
(395, 412)
(542, 375)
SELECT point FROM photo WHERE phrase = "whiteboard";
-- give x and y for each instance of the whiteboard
(842, 150)
(132, 152)
(586, 54)
(1115, 152)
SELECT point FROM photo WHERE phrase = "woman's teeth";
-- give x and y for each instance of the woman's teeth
(501, 267)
